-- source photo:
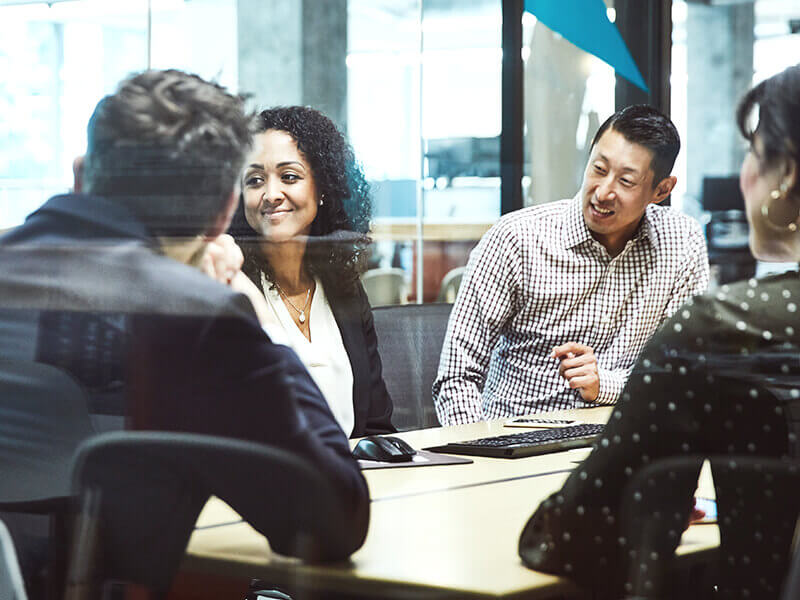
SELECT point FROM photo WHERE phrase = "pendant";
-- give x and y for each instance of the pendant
(302, 317)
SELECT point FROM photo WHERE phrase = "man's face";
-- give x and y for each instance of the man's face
(617, 187)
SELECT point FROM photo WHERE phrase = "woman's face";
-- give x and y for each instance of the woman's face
(280, 196)
(767, 238)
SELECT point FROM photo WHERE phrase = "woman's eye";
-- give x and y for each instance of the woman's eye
(290, 177)
(627, 182)
(253, 181)
(599, 170)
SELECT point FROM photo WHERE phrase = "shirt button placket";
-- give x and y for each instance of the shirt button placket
(607, 301)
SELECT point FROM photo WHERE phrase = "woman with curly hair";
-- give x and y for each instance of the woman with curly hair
(302, 224)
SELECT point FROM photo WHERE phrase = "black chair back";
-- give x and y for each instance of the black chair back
(758, 510)
(410, 339)
(43, 420)
(141, 493)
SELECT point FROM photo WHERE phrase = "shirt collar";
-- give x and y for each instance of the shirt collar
(646, 232)
(574, 228)
(576, 232)
(109, 218)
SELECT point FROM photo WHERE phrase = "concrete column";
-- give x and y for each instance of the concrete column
(720, 68)
(270, 57)
(555, 85)
(324, 45)
(294, 53)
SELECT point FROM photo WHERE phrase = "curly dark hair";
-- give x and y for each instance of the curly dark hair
(340, 232)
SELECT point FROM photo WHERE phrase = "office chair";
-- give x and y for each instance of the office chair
(410, 339)
(757, 513)
(11, 584)
(43, 420)
(451, 282)
(385, 286)
(141, 492)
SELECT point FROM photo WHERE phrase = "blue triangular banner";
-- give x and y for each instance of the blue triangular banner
(585, 24)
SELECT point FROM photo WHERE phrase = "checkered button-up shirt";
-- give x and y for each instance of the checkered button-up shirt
(537, 280)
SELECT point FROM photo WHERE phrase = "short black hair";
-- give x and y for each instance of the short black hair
(778, 120)
(644, 125)
(169, 146)
(337, 250)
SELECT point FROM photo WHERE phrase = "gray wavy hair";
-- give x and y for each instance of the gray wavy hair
(169, 145)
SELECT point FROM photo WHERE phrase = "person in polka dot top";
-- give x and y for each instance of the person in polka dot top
(722, 376)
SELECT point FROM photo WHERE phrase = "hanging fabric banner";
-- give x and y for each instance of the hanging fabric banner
(585, 23)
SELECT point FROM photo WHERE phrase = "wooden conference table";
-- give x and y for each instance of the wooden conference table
(438, 531)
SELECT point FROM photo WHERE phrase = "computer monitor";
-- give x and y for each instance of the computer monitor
(722, 194)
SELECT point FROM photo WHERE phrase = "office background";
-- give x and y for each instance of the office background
(459, 110)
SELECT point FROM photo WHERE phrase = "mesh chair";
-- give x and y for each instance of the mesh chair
(43, 420)
(141, 493)
(410, 341)
(11, 586)
(450, 284)
(757, 510)
(385, 286)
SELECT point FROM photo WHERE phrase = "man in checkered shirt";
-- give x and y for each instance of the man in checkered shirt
(558, 300)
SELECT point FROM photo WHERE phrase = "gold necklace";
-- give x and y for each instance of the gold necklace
(301, 312)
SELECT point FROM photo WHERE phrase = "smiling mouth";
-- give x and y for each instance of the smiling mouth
(274, 213)
(600, 210)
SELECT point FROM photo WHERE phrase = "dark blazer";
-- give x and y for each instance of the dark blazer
(371, 401)
(83, 287)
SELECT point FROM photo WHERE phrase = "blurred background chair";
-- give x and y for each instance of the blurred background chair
(410, 341)
(11, 583)
(450, 284)
(757, 507)
(43, 420)
(727, 230)
(385, 286)
(141, 492)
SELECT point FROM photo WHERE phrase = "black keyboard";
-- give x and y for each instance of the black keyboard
(527, 443)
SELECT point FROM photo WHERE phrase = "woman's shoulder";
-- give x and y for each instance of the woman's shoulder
(736, 319)
(342, 293)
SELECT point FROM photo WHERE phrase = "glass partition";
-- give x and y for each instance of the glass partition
(62, 57)
(59, 60)
(415, 84)
(568, 93)
(424, 108)
(461, 124)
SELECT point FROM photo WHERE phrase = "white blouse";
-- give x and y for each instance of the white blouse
(324, 356)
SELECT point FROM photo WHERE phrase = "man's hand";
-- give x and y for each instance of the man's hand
(579, 367)
(222, 259)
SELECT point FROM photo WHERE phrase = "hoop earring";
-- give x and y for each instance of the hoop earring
(776, 195)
